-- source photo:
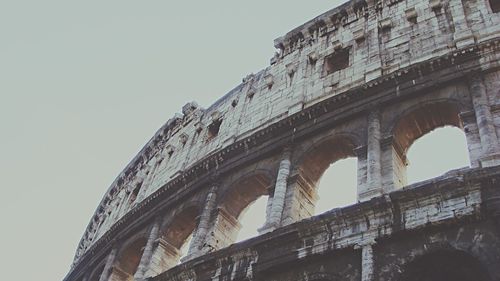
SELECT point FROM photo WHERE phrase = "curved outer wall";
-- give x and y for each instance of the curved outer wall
(365, 79)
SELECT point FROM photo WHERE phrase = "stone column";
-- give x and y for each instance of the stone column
(148, 251)
(367, 264)
(204, 223)
(471, 131)
(108, 266)
(269, 206)
(374, 170)
(278, 201)
(393, 163)
(360, 153)
(489, 141)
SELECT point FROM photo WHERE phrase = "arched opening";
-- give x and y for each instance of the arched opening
(341, 174)
(422, 121)
(173, 241)
(445, 148)
(242, 210)
(328, 176)
(252, 218)
(445, 265)
(128, 261)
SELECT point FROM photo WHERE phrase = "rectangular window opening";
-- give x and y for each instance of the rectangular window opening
(337, 61)
(213, 129)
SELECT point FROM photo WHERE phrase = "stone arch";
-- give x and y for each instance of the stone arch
(233, 203)
(128, 259)
(412, 124)
(310, 167)
(421, 119)
(97, 272)
(444, 264)
(318, 156)
(173, 235)
(245, 190)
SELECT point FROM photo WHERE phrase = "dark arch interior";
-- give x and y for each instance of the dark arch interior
(181, 227)
(444, 265)
(172, 238)
(129, 258)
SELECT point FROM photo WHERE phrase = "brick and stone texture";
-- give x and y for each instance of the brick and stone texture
(363, 80)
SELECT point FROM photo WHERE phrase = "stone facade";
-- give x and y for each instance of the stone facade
(365, 79)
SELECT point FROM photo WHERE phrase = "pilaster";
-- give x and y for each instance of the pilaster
(374, 170)
(166, 256)
(279, 195)
(148, 251)
(394, 163)
(300, 199)
(201, 231)
(489, 142)
(225, 228)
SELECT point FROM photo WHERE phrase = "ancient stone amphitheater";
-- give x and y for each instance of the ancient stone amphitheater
(365, 79)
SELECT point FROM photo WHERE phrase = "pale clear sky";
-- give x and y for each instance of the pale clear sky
(85, 84)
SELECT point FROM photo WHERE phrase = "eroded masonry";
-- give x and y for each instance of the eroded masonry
(363, 80)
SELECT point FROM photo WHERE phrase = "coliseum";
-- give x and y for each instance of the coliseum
(365, 80)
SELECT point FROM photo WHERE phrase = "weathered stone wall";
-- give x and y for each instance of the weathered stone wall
(363, 80)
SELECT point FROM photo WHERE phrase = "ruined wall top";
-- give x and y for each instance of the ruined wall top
(346, 47)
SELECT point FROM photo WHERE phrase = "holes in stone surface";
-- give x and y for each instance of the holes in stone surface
(134, 194)
(495, 5)
(213, 129)
(337, 61)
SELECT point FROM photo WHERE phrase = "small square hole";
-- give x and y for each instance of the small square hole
(213, 129)
(336, 61)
